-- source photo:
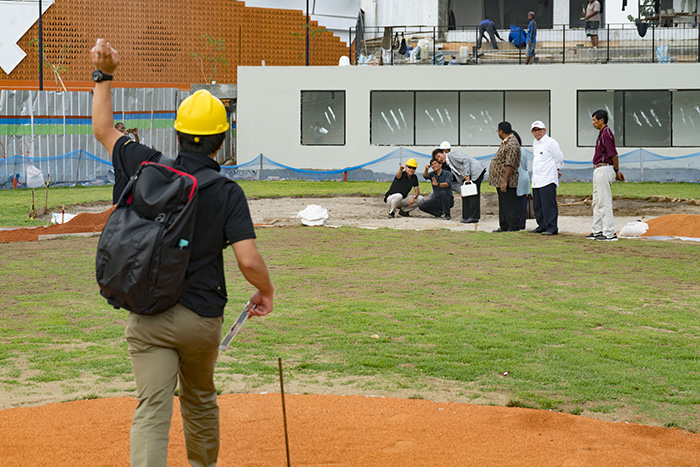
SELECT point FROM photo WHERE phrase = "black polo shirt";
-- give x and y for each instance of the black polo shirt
(222, 218)
(402, 185)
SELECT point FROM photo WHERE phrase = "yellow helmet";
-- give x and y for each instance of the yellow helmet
(201, 114)
(411, 163)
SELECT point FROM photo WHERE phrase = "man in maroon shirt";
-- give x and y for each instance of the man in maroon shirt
(606, 170)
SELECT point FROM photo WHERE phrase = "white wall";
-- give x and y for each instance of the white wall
(335, 15)
(614, 13)
(268, 119)
(407, 12)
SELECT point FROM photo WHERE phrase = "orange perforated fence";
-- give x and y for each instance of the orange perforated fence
(160, 41)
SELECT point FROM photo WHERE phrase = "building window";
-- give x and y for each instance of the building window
(480, 114)
(464, 118)
(647, 118)
(323, 118)
(392, 118)
(589, 102)
(642, 118)
(437, 117)
(686, 118)
(524, 107)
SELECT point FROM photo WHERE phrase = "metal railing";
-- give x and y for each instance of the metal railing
(617, 43)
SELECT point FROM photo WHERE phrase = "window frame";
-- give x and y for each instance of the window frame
(301, 116)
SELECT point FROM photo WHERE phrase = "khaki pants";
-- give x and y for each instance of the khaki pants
(396, 201)
(175, 344)
(603, 220)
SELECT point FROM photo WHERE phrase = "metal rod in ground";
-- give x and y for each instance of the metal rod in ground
(284, 413)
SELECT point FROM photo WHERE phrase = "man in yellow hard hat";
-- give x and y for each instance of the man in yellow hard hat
(181, 343)
(398, 197)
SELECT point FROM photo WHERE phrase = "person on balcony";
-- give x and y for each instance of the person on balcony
(487, 26)
(531, 38)
(592, 18)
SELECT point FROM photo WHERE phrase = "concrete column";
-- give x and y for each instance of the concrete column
(560, 15)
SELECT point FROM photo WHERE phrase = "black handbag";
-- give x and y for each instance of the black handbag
(403, 48)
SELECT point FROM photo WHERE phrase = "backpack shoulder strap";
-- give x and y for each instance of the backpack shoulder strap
(165, 160)
(206, 176)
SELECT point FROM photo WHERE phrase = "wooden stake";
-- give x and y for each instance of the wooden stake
(32, 213)
(46, 201)
(284, 413)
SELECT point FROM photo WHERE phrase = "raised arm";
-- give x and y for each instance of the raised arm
(105, 59)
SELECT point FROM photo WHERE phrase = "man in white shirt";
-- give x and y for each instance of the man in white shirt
(547, 161)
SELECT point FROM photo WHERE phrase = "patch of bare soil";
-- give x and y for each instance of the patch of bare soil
(347, 431)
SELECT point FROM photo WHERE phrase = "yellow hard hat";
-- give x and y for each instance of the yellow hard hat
(201, 114)
(411, 163)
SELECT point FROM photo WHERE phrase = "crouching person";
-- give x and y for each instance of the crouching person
(398, 197)
(441, 201)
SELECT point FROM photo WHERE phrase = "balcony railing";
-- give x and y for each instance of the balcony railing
(617, 43)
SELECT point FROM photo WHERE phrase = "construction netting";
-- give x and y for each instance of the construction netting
(81, 167)
(637, 165)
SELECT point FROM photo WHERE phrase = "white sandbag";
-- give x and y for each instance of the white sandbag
(634, 229)
(58, 218)
(313, 214)
(35, 177)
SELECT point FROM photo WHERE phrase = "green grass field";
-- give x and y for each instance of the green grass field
(609, 331)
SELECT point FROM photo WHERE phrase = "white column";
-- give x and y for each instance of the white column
(560, 15)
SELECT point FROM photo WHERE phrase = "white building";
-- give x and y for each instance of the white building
(338, 117)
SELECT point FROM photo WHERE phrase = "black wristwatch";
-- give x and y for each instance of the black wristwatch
(98, 76)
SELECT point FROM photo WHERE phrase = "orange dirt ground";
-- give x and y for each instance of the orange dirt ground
(347, 431)
(674, 225)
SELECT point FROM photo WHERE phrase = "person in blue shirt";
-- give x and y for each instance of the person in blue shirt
(518, 36)
(531, 38)
(487, 26)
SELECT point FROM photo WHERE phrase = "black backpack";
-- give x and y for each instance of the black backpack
(144, 250)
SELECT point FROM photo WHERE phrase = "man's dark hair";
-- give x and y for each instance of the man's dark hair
(517, 136)
(601, 114)
(207, 144)
(433, 159)
(436, 152)
(505, 127)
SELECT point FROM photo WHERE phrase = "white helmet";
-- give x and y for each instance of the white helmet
(445, 145)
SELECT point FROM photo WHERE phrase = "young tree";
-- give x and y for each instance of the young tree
(54, 59)
(213, 57)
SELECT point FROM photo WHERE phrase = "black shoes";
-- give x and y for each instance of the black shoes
(471, 220)
(403, 213)
(391, 215)
(601, 237)
(448, 217)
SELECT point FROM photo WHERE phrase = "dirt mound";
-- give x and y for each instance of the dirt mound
(674, 225)
(85, 222)
(347, 431)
